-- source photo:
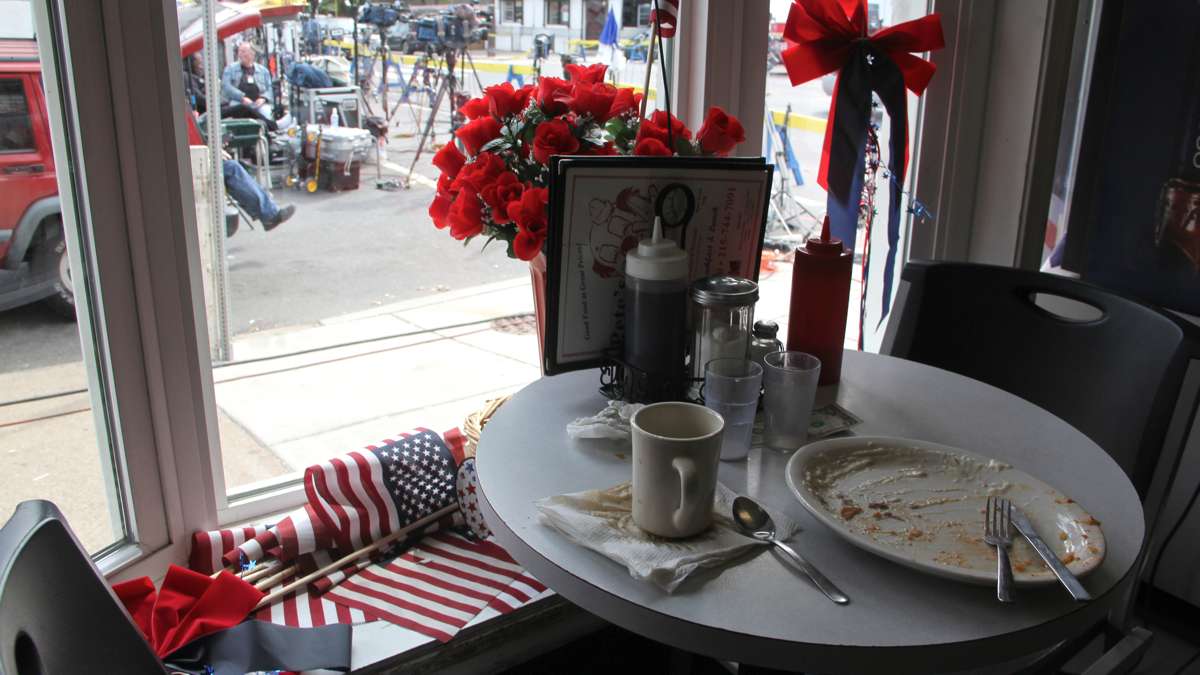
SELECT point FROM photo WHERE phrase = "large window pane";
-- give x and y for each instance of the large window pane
(353, 319)
(54, 440)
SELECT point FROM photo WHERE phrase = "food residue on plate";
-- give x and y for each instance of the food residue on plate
(928, 505)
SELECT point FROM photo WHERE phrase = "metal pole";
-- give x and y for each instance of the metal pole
(221, 349)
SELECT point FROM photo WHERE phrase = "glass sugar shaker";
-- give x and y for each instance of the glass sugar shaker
(764, 341)
(722, 313)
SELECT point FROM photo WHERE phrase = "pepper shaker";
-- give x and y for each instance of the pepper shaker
(764, 341)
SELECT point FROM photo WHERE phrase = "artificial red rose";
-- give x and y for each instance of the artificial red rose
(475, 108)
(592, 99)
(479, 173)
(548, 89)
(477, 133)
(720, 133)
(648, 129)
(524, 94)
(527, 245)
(678, 129)
(585, 74)
(497, 195)
(449, 160)
(651, 146)
(465, 215)
(623, 103)
(530, 215)
(529, 212)
(439, 209)
(553, 137)
(502, 100)
(445, 184)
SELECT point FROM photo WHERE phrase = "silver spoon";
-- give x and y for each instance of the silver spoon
(756, 522)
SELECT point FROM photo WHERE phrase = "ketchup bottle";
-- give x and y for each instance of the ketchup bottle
(820, 299)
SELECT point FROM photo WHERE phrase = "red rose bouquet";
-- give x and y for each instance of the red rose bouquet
(498, 188)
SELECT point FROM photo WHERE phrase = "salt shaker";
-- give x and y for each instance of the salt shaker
(764, 341)
(656, 285)
(722, 312)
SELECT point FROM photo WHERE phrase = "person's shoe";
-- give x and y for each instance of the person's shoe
(284, 213)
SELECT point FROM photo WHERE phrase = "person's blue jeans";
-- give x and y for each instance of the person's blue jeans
(247, 193)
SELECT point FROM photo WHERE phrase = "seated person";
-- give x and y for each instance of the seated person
(250, 196)
(244, 189)
(246, 88)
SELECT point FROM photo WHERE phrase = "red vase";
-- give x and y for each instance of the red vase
(537, 276)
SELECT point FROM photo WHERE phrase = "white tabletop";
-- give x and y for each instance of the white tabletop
(760, 611)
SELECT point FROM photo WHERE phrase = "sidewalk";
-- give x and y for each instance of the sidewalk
(427, 362)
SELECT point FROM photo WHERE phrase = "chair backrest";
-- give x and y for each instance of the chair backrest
(1115, 376)
(57, 614)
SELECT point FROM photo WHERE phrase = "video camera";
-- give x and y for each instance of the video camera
(379, 14)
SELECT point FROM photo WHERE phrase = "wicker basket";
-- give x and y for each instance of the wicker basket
(476, 421)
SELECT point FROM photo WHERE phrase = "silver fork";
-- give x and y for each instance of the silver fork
(997, 531)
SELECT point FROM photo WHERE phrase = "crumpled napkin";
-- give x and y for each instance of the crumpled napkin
(612, 422)
(602, 520)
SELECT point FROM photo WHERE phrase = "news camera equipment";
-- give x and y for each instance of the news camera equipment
(543, 45)
(379, 14)
(450, 86)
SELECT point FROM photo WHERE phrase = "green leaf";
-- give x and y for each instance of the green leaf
(684, 147)
(616, 126)
(496, 144)
(517, 127)
(511, 251)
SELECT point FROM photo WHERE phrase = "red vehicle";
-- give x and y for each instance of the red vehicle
(33, 253)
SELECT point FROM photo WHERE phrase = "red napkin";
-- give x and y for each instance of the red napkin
(189, 605)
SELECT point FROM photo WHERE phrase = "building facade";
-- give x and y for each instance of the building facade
(566, 21)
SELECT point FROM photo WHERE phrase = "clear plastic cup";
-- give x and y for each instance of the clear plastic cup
(790, 384)
(731, 388)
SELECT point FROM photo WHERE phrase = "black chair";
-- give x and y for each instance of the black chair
(57, 613)
(1115, 377)
(1112, 367)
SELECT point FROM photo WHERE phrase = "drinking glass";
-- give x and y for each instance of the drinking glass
(790, 381)
(731, 388)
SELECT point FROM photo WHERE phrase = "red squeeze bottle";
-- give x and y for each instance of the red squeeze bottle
(820, 299)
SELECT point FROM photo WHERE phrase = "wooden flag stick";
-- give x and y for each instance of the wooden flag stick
(277, 576)
(351, 557)
(649, 71)
(260, 571)
(232, 569)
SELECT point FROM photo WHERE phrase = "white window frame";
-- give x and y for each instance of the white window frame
(123, 179)
(516, 4)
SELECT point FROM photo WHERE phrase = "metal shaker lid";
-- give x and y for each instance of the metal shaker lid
(724, 290)
(765, 328)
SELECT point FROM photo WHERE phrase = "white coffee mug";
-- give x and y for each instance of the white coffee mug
(676, 452)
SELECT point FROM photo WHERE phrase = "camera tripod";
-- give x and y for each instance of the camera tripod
(450, 85)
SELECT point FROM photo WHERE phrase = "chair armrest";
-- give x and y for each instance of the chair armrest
(1124, 655)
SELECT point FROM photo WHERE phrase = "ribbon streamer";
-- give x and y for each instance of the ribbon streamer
(831, 35)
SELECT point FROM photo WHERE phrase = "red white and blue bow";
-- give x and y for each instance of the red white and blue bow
(831, 35)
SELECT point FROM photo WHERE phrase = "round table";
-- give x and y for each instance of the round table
(759, 611)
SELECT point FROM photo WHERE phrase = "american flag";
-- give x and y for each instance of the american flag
(666, 16)
(208, 548)
(439, 585)
(367, 494)
(298, 533)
